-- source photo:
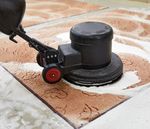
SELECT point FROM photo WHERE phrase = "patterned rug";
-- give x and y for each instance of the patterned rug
(80, 105)
(39, 11)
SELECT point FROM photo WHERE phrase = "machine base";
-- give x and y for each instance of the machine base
(97, 77)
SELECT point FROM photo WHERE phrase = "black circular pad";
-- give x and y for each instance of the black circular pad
(97, 77)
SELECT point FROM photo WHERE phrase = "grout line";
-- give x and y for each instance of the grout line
(70, 18)
(65, 19)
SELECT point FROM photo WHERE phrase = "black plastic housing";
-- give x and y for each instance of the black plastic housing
(91, 51)
(68, 56)
(94, 41)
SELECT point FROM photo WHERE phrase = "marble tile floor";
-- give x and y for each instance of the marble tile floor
(133, 114)
(20, 109)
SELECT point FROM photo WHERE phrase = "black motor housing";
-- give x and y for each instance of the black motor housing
(91, 50)
(93, 40)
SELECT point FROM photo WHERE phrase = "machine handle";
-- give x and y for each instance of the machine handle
(32, 42)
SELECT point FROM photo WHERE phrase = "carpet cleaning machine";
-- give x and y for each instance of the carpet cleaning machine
(87, 61)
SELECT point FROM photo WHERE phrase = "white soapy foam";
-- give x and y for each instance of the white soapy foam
(143, 44)
(142, 10)
(31, 67)
(24, 66)
(122, 48)
(131, 18)
(64, 37)
(128, 79)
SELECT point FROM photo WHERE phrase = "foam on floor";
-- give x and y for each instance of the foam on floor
(76, 105)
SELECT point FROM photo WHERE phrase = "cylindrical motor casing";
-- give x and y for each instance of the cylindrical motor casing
(94, 41)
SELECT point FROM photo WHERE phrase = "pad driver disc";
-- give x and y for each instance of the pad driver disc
(97, 77)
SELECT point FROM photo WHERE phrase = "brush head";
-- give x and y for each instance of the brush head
(97, 77)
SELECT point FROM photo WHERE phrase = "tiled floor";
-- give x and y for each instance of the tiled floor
(41, 11)
(77, 105)
(133, 114)
(19, 109)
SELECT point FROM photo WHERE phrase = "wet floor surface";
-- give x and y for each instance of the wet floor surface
(76, 106)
